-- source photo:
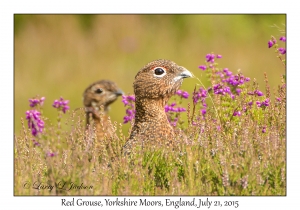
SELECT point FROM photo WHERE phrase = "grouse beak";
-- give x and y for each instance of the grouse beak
(185, 73)
(119, 92)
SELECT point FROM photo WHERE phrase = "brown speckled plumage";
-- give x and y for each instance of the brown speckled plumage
(152, 92)
(100, 94)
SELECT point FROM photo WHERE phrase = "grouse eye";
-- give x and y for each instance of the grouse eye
(98, 90)
(159, 72)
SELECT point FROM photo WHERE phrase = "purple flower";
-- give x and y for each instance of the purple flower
(278, 99)
(220, 74)
(210, 58)
(128, 99)
(33, 102)
(131, 98)
(236, 80)
(50, 154)
(173, 122)
(264, 103)
(42, 100)
(181, 109)
(172, 108)
(200, 95)
(61, 104)
(283, 38)
(258, 103)
(270, 44)
(258, 93)
(179, 92)
(130, 111)
(263, 129)
(128, 118)
(202, 67)
(36, 101)
(35, 143)
(167, 108)
(203, 111)
(35, 123)
(183, 94)
(237, 113)
(228, 73)
(219, 89)
(230, 82)
(282, 50)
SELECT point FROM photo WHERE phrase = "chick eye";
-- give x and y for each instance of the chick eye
(99, 90)
(159, 72)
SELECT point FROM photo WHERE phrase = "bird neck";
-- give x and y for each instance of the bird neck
(149, 109)
(95, 115)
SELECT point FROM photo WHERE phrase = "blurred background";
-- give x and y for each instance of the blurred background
(60, 55)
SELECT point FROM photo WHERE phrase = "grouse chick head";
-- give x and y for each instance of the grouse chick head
(101, 93)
